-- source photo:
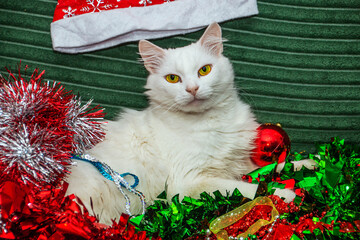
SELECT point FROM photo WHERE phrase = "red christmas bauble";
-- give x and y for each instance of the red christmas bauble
(272, 145)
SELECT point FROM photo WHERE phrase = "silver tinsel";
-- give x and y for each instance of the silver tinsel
(4, 120)
(40, 126)
(20, 100)
(31, 155)
(88, 130)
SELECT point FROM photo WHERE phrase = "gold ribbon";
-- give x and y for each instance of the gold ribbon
(217, 226)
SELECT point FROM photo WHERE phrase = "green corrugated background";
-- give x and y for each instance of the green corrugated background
(297, 63)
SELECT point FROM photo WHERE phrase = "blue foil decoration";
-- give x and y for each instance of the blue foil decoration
(117, 178)
(103, 170)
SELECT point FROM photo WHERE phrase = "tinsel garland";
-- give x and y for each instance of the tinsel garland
(27, 213)
(41, 125)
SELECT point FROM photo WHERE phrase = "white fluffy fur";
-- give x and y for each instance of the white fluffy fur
(183, 143)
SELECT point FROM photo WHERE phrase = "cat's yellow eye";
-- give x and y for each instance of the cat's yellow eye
(205, 70)
(172, 78)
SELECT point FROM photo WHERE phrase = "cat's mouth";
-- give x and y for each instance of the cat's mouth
(196, 101)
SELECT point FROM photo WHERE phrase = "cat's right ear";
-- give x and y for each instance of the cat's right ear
(151, 55)
(212, 40)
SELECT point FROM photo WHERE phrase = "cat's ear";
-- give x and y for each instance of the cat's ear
(211, 39)
(151, 55)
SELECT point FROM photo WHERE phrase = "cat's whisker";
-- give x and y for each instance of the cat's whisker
(152, 109)
(221, 90)
(172, 107)
(246, 96)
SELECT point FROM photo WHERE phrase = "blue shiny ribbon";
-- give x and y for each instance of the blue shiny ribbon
(103, 171)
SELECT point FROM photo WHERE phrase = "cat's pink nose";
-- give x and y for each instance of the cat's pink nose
(192, 90)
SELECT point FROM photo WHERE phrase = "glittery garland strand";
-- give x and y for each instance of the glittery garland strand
(2, 224)
(118, 179)
(102, 170)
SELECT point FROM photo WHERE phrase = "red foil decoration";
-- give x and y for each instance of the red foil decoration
(27, 213)
(272, 145)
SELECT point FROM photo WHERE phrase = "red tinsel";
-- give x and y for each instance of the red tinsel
(32, 214)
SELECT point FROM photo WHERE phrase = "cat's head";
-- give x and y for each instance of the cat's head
(193, 78)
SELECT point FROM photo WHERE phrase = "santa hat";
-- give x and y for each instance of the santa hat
(88, 25)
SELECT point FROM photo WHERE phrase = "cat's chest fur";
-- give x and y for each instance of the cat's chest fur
(194, 140)
(213, 142)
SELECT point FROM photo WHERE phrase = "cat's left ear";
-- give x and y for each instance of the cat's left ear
(151, 54)
(211, 39)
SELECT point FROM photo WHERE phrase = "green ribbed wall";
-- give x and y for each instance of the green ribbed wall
(297, 63)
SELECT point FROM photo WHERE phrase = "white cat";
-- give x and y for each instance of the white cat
(195, 136)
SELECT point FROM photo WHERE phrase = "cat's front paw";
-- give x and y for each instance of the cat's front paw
(287, 194)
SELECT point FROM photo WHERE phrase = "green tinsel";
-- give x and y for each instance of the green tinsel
(180, 220)
(332, 189)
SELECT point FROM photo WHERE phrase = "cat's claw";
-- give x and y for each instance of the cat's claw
(287, 194)
(307, 163)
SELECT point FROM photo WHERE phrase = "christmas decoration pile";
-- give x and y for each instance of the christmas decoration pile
(42, 125)
(327, 205)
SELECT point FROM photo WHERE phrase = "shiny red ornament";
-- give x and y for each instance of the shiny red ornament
(272, 145)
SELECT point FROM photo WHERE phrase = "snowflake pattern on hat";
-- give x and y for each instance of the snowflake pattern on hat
(71, 8)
